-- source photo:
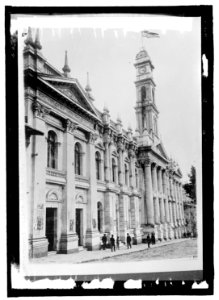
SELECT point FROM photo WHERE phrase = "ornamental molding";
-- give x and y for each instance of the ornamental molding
(40, 110)
(144, 159)
(52, 196)
(92, 137)
(70, 126)
(80, 198)
(66, 109)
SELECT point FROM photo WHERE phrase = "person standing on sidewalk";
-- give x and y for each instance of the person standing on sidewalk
(128, 240)
(104, 240)
(117, 242)
(112, 243)
(153, 238)
(148, 240)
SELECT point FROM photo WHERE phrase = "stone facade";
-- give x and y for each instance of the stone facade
(86, 174)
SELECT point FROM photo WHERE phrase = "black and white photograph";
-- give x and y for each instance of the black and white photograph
(110, 146)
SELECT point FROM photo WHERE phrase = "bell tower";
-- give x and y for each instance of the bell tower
(146, 110)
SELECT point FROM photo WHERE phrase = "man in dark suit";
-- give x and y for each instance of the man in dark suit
(128, 240)
(112, 243)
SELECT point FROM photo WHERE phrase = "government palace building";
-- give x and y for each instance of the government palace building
(86, 174)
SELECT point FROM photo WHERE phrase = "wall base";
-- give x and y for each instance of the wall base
(92, 240)
(38, 247)
(68, 243)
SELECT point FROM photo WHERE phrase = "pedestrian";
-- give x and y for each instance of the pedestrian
(117, 242)
(112, 243)
(104, 240)
(128, 240)
(153, 238)
(148, 240)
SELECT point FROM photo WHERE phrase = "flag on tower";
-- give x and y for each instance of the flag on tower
(149, 34)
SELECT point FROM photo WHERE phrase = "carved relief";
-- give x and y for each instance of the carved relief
(52, 196)
(39, 223)
(40, 110)
(80, 198)
(70, 126)
(71, 225)
(144, 159)
(92, 137)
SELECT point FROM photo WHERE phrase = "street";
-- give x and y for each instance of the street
(187, 248)
(167, 249)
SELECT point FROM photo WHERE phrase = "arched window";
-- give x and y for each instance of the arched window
(78, 159)
(98, 164)
(136, 177)
(113, 170)
(143, 93)
(126, 174)
(100, 216)
(52, 150)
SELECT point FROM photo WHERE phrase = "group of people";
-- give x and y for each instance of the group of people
(150, 239)
(115, 243)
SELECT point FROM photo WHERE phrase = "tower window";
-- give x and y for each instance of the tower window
(52, 150)
(143, 93)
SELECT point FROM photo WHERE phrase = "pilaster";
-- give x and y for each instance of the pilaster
(69, 239)
(92, 234)
(148, 192)
(37, 240)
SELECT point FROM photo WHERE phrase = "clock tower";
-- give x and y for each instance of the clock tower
(146, 110)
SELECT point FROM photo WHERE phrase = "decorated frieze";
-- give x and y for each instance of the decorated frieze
(65, 109)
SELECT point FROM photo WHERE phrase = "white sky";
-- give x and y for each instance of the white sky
(106, 48)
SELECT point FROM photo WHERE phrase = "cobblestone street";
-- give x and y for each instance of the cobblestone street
(170, 249)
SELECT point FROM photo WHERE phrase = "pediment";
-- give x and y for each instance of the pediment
(72, 90)
(160, 149)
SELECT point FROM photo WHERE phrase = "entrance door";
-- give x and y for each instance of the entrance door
(51, 227)
(79, 226)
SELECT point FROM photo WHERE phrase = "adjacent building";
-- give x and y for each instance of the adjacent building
(86, 174)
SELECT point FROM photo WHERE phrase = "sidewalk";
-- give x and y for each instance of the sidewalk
(88, 256)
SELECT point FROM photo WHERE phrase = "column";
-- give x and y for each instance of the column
(156, 200)
(173, 201)
(179, 204)
(148, 192)
(106, 162)
(122, 217)
(120, 164)
(166, 197)
(160, 186)
(38, 241)
(132, 168)
(69, 240)
(92, 233)
(181, 198)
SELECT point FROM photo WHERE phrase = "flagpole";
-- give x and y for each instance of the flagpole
(142, 41)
